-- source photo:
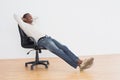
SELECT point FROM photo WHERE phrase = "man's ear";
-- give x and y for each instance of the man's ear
(24, 19)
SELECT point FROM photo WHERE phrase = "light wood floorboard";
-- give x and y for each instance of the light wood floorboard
(106, 67)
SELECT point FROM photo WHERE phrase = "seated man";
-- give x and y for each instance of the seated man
(27, 24)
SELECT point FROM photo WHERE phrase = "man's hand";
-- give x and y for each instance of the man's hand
(24, 19)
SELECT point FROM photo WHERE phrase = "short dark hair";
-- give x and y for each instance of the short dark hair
(25, 15)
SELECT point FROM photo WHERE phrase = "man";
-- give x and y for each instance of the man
(28, 25)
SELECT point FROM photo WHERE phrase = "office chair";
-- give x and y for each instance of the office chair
(29, 42)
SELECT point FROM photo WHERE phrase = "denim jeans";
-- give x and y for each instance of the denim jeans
(60, 50)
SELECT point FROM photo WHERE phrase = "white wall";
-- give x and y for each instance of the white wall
(87, 27)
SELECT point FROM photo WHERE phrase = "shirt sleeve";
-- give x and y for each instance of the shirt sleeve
(19, 21)
(35, 20)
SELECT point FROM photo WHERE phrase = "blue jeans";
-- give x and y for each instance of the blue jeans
(60, 50)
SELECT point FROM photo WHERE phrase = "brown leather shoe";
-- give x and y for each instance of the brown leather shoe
(87, 63)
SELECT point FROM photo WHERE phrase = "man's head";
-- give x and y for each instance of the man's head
(27, 18)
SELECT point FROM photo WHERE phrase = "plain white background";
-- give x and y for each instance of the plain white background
(87, 27)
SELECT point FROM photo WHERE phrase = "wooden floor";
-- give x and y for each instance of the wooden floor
(106, 67)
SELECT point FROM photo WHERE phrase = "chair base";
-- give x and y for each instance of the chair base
(33, 63)
(37, 61)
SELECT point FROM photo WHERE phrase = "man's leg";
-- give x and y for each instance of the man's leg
(83, 64)
(49, 44)
(67, 51)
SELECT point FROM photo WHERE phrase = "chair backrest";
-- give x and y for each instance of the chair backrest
(25, 41)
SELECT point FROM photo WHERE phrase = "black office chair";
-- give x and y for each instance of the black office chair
(29, 42)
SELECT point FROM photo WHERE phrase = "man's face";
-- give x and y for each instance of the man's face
(28, 19)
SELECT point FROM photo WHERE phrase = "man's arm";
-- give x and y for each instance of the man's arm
(35, 20)
(19, 20)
